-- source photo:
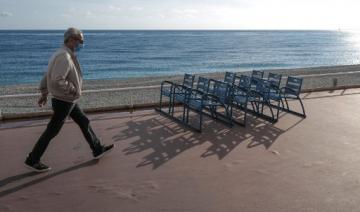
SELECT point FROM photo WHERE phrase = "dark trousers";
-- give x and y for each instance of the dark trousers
(61, 111)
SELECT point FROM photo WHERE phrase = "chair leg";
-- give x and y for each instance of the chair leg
(282, 103)
(228, 113)
(278, 109)
(184, 112)
(245, 114)
(252, 105)
(256, 103)
(213, 111)
(271, 110)
(171, 105)
(160, 102)
(302, 107)
(287, 104)
(200, 122)
(287, 109)
(187, 116)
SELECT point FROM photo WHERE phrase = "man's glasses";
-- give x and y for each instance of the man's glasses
(79, 39)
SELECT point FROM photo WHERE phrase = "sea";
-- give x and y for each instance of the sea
(124, 54)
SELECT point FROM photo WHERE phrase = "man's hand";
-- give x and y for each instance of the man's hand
(42, 100)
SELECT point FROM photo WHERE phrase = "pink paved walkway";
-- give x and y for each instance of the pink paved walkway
(310, 164)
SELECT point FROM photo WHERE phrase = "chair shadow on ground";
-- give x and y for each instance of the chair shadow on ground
(19, 177)
(167, 139)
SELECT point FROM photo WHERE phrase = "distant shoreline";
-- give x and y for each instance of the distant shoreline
(151, 81)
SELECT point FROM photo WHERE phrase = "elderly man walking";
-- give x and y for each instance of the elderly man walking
(63, 80)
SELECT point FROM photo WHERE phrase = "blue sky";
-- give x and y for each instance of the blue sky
(180, 14)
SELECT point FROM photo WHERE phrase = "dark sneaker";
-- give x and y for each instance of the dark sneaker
(37, 167)
(103, 150)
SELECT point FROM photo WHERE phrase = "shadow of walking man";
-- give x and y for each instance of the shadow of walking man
(9, 180)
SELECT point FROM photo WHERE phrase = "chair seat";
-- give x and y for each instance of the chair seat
(180, 97)
(166, 92)
(289, 95)
(211, 103)
(195, 103)
(274, 96)
(240, 99)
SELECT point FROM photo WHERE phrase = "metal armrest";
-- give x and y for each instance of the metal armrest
(255, 93)
(166, 82)
(274, 87)
(178, 88)
(211, 97)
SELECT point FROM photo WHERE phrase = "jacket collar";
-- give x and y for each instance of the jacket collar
(69, 51)
(74, 58)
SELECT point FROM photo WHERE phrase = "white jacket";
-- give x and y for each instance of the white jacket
(63, 78)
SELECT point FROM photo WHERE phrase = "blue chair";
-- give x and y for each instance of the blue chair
(207, 103)
(194, 101)
(220, 96)
(180, 90)
(275, 80)
(261, 97)
(240, 96)
(255, 77)
(292, 91)
(203, 85)
(229, 77)
(257, 74)
(243, 81)
(175, 92)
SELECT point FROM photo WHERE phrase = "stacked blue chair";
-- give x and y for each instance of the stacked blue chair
(275, 80)
(175, 92)
(220, 97)
(203, 85)
(208, 103)
(255, 77)
(195, 102)
(243, 81)
(260, 97)
(240, 96)
(182, 90)
(217, 99)
(292, 91)
(229, 77)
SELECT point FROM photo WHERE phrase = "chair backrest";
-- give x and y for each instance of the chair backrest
(188, 80)
(295, 84)
(229, 78)
(244, 81)
(274, 79)
(222, 91)
(263, 87)
(257, 74)
(203, 84)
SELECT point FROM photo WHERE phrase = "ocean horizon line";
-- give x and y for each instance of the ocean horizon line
(206, 30)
